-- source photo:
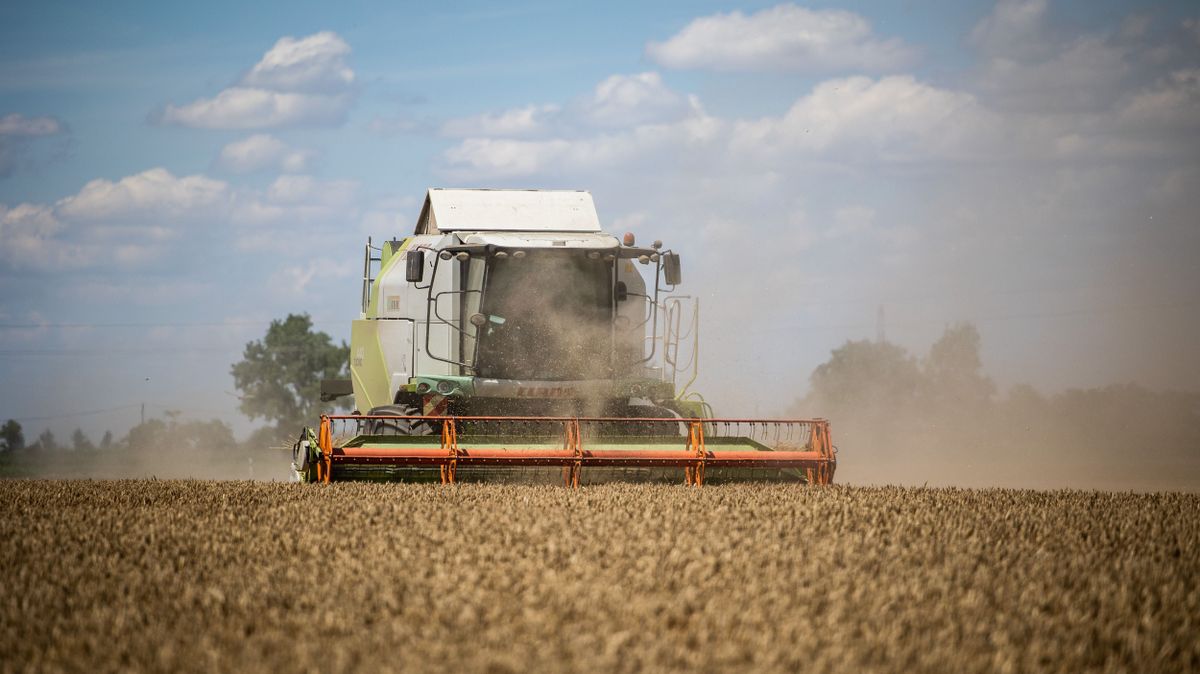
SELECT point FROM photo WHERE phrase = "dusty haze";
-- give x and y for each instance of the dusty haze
(1029, 167)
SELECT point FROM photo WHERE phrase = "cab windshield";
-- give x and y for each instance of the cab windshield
(546, 316)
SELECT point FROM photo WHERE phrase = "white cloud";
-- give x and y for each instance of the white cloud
(156, 193)
(110, 224)
(270, 219)
(475, 158)
(298, 82)
(848, 120)
(785, 37)
(895, 118)
(16, 124)
(1013, 27)
(530, 120)
(146, 217)
(1081, 75)
(1172, 105)
(26, 233)
(619, 101)
(628, 100)
(262, 152)
(314, 64)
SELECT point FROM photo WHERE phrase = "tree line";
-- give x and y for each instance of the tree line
(892, 409)
(278, 380)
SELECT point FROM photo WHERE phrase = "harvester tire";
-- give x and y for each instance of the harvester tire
(399, 426)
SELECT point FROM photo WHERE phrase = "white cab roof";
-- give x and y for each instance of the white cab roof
(476, 210)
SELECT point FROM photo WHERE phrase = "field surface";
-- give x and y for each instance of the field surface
(236, 576)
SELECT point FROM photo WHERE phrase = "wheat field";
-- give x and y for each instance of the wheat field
(243, 576)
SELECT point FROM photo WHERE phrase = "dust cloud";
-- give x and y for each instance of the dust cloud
(939, 420)
(156, 448)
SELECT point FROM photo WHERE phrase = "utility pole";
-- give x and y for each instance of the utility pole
(143, 413)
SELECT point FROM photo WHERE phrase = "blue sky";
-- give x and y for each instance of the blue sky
(174, 176)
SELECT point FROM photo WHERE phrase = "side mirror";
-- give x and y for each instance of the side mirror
(672, 273)
(415, 266)
(622, 291)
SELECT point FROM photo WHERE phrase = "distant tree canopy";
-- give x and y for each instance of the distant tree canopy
(157, 435)
(954, 369)
(46, 441)
(12, 437)
(885, 401)
(280, 375)
(80, 441)
(866, 374)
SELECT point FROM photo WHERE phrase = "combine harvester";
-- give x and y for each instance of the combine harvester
(510, 338)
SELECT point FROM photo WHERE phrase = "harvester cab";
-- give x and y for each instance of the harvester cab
(510, 336)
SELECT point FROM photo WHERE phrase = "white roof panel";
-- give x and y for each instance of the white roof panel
(456, 210)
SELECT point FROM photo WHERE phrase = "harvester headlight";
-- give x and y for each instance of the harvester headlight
(594, 255)
(500, 255)
(654, 257)
(445, 387)
(478, 320)
(610, 257)
(463, 256)
(423, 387)
(445, 255)
(519, 254)
(644, 259)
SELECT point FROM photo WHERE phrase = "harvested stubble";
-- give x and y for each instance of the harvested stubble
(235, 576)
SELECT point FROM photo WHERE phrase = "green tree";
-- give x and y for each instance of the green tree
(80, 442)
(46, 441)
(954, 370)
(280, 375)
(866, 374)
(12, 438)
(156, 435)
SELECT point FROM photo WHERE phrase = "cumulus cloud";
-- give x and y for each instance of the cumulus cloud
(896, 118)
(313, 64)
(504, 158)
(110, 223)
(617, 102)
(26, 231)
(156, 192)
(785, 37)
(627, 100)
(892, 119)
(140, 218)
(298, 82)
(262, 152)
(530, 120)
